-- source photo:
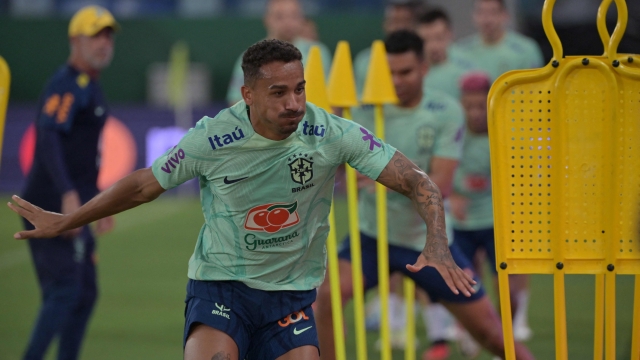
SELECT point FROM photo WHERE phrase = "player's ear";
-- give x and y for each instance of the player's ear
(247, 94)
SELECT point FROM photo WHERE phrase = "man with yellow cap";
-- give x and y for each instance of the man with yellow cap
(72, 113)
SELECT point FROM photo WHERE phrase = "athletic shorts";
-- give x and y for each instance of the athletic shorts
(429, 279)
(469, 241)
(264, 324)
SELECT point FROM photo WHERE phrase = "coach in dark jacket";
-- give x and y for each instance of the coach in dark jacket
(72, 113)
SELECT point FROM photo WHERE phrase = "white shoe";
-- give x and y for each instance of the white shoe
(467, 344)
(522, 332)
(398, 340)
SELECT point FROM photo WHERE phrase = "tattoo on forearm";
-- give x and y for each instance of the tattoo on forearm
(406, 178)
(221, 356)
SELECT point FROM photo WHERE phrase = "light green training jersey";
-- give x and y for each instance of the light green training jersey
(266, 203)
(431, 129)
(514, 52)
(237, 76)
(473, 181)
(446, 76)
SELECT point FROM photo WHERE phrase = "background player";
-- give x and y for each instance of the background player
(63, 176)
(471, 202)
(435, 146)
(284, 20)
(496, 50)
(398, 15)
(261, 253)
(435, 27)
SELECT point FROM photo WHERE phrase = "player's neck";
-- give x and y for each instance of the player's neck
(436, 62)
(77, 63)
(410, 104)
(493, 38)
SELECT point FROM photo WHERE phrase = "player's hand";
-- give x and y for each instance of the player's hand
(105, 225)
(47, 224)
(459, 206)
(456, 278)
(70, 203)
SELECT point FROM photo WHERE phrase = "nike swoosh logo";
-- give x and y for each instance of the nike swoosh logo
(227, 181)
(298, 332)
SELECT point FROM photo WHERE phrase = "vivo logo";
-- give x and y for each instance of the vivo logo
(174, 160)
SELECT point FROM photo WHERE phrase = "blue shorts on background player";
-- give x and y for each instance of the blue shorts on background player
(72, 113)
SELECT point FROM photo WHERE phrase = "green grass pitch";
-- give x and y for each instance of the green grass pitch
(142, 278)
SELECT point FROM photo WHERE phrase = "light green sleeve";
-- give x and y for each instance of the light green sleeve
(535, 55)
(182, 162)
(348, 142)
(237, 80)
(451, 135)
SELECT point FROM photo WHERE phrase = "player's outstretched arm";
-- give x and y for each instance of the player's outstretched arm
(137, 188)
(405, 177)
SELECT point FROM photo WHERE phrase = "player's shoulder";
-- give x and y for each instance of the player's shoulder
(68, 80)
(519, 42)
(466, 43)
(318, 125)
(363, 54)
(229, 128)
(439, 101)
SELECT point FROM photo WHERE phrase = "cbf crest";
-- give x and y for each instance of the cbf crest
(301, 167)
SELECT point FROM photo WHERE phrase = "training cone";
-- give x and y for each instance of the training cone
(341, 91)
(316, 89)
(378, 87)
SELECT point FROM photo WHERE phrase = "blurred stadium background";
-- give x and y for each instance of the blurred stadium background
(139, 315)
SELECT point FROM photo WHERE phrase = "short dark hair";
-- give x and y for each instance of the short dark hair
(434, 14)
(402, 41)
(502, 3)
(265, 52)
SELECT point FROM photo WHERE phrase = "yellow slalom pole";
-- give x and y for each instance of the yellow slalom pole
(317, 93)
(635, 333)
(5, 81)
(379, 90)
(610, 316)
(356, 257)
(341, 93)
(383, 249)
(336, 295)
(409, 300)
(598, 330)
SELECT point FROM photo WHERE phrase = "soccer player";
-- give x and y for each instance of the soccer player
(283, 20)
(445, 71)
(471, 202)
(398, 15)
(434, 145)
(266, 168)
(72, 113)
(494, 49)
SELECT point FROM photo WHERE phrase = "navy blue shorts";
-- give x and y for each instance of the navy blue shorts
(469, 241)
(264, 324)
(429, 279)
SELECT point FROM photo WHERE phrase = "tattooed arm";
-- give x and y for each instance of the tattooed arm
(405, 177)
